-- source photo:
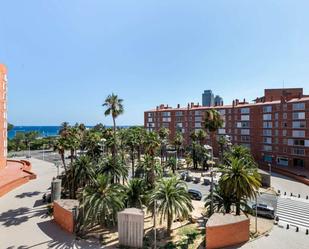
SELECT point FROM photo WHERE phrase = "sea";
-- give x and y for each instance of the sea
(44, 131)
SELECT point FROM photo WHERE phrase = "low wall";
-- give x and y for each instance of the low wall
(63, 214)
(223, 230)
(289, 174)
(4, 189)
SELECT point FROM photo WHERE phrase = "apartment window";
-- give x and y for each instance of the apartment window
(244, 110)
(267, 108)
(284, 124)
(166, 114)
(276, 115)
(283, 161)
(267, 158)
(198, 113)
(284, 115)
(151, 125)
(243, 124)
(150, 114)
(298, 115)
(298, 151)
(276, 140)
(285, 107)
(245, 138)
(165, 125)
(297, 133)
(276, 133)
(149, 119)
(179, 125)
(267, 124)
(166, 119)
(284, 141)
(298, 142)
(245, 132)
(298, 162)
(267, 147)
(245, 117)
(198, 125)
(299, 124)
(222, 112)
(267, 132)
(276, 124)
(267, 140)
(179, 113)
(284, 132)
(221, 131)
(178, 119)
(266, 116)
(198, 119)
(298, 106)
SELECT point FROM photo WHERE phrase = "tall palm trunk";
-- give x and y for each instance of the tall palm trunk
(63, 162)
(169, 223)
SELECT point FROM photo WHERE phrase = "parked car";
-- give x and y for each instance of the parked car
(264, 210)
(195, 194)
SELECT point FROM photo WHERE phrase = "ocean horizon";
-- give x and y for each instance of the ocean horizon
(44, 131)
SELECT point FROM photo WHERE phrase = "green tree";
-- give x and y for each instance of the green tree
(135, 193)
(114, 168)
(101, 201)
(132, 144)
(172, 200)
(163, 135)
(60, 146)
(193, 137)
(213, 122)
(171, 163)
(201, 135)
(178, 141)
(240, 179)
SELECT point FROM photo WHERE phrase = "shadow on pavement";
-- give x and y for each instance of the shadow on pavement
(15, 217)
(28, 194)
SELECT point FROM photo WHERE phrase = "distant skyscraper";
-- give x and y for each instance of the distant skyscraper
(218, 101)
(208, 98)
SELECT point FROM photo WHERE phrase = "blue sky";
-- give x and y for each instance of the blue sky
(65, 57)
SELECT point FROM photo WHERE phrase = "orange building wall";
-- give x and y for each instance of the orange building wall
(3, 116)
(227, 235)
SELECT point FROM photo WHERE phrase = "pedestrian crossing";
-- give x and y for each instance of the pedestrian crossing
(293, 212)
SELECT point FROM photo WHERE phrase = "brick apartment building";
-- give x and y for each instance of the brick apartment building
(275, 127)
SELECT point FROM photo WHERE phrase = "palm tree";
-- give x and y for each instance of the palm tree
(114, 107)
(213, 122)
(63, 129)
(201, 135)
(240, 179)
(221, 201)
(101, 202)
(135, 193)
(163, 135)
(173, 200)
(223, 141)
(132, 143)
(193, 137)
(60, 146)
(114, 168)
(240, 152)
(178, 140)
(171, 163)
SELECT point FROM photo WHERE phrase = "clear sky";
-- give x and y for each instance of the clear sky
(65, 56)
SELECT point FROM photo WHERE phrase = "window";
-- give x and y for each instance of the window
(222, 112)
(276, 115)
(267, 108)
(198, 113)
(267, 158)
(151, 125)
(178, 119)
(267, 124)
(245, 138)
(298, 162)
(198, 119)
(198, 125)
(267, 140)
(284, 115)
(284, 124)
(298, 106)
(245, 117)
(267, 133)
(284, 132)
(283, 161)
(166, 119)
(299, 124)
(298, 115)
(179, 113)
(221, 131)
(244, 110)
(267, 147)
(276, 124)
(266, 116)
(165, 125)
(166, 114)
(298, 133)
(149, 119)
(276, 133)
(150, 114)
(179, 125)
(243, 124)
(298, 151)
(245, 132)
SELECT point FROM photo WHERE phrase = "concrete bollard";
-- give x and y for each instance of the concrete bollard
(55, 189)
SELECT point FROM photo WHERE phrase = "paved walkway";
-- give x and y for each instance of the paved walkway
(23, 220)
